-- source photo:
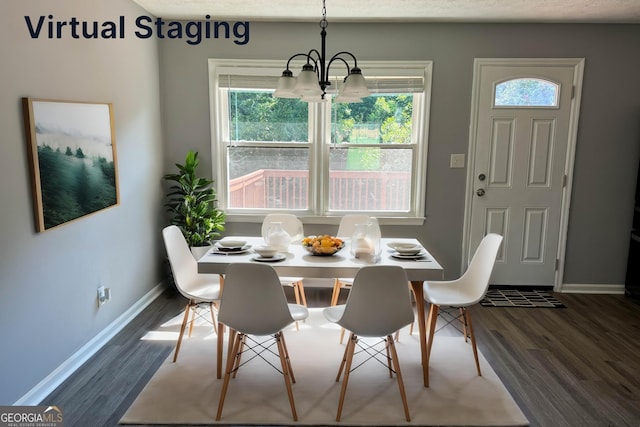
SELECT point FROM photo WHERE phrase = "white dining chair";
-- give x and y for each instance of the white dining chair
(254, 305)
(378, 305)
(199, 289)
(293, 226)
(462, 293)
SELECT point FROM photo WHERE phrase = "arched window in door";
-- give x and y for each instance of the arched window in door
(526, 92)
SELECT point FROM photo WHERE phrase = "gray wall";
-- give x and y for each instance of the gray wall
(48, 281)
(608, 134)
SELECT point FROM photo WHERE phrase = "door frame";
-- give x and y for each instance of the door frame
(578, 67)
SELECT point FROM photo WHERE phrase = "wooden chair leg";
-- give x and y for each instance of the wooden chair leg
(303, 296)
(473, 340)
(213, 308)
(238, 355)
(387, 345)
(194, 307)
(432, 318)
(286, 356)
(230, 349)
(285, 373)
(182, 328)
(351, 346)
(341, 335)
(342, 363)
(396, 365)
(227, 375)
(335, 295)
(463, 319)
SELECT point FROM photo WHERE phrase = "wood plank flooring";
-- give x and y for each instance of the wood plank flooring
(578, 366)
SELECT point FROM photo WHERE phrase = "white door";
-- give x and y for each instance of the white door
(522, 139)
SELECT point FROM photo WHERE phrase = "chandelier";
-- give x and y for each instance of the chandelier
(312, 83)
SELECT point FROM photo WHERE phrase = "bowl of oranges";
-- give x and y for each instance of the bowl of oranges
(324, 245)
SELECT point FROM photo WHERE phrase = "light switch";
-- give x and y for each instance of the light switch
(457, 161)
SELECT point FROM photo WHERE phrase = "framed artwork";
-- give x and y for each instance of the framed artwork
(72, 158)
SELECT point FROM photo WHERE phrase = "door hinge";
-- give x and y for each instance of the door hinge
(564, 181)
(573, 91)
(557, 264)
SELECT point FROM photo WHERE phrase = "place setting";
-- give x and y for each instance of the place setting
(230, 246)
(267, 253)
(407, 251)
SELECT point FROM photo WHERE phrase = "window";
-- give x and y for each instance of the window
(320, 159)
(528, 92)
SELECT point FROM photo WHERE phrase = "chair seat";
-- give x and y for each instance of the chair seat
(204, 288)
(334, 314)
(290, 280)
(298, 312)
(346, 281)
(444, 294)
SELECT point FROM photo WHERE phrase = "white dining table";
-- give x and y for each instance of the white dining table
(299, 262)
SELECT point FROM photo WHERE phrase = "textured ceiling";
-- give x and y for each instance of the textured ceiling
(580, 11)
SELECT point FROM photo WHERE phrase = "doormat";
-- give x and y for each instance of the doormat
(520, 298)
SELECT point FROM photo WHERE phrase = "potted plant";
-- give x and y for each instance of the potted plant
(191, 201)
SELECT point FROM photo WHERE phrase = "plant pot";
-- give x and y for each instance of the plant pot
(199, 251)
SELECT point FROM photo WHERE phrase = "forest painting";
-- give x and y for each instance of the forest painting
(72, 155)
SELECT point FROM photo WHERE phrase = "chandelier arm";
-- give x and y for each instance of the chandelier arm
(337, 56)
(306, 55)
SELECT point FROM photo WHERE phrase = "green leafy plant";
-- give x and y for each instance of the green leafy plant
(192, 203)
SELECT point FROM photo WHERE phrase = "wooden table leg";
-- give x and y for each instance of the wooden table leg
(417, 291)
(220, 337)
(221, 328)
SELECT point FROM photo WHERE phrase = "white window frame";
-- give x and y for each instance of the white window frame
(319, 153)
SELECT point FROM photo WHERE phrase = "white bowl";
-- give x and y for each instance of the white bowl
(408, 251)
(266, 251)
(229, 242)
(399, 246)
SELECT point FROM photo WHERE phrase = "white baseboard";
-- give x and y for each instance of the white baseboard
(45, 387)
(591, 288)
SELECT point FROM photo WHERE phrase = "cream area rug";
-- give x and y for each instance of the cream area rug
(187, 392)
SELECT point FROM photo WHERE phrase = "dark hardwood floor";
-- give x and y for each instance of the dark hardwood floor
(578, 366)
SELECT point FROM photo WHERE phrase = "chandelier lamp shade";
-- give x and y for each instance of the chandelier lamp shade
(312, 84)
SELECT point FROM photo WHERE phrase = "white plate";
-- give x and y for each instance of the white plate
(232, 249)
(419, 255)
(275, 258)
(226, 251)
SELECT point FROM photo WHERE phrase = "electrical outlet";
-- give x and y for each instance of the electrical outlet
(104, 295)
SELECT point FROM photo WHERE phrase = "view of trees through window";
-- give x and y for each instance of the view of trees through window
(270, 143)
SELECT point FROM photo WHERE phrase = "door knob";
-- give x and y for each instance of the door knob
(482, 177)
(480, 192)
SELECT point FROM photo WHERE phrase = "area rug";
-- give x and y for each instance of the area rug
(520, 298)
(187, 392)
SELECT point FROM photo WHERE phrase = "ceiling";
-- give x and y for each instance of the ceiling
(552, 11)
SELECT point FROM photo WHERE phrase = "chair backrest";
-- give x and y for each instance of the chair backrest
(253, 300)
(183, 265)
(379, 302)
(475, 280)
(348, 224)
(290, 223)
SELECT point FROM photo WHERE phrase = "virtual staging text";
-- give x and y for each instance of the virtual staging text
(192, 32)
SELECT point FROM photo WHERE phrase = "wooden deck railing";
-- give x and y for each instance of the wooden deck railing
(348, 190)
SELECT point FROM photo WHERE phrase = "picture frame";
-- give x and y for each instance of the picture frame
(72, 159)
